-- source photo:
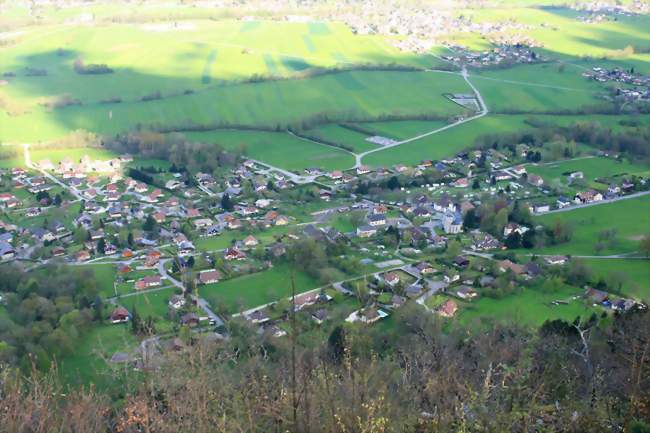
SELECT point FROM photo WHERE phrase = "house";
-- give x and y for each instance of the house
(532, 269)
(148, 282)
(376, 220)
(82, 256)
(202, 223)
(209, 276)
(152, 259)
(562, 202)
(413, 290)
(452, 223)
(535, 180)
(367, 315)
(541, 208)
(506, 265)
(159, 217)
(190, 319)
(391, 278)
(120, 315)
(466, 292)
(7, 252)
(424, 268)
(234, 254)
(556, 260)
(461, 261)
(177, 302)
(366, 231)
(363, 169)
(192, 213)
(320, 315)
(336, 174)
(596, 296)
(250, 241)
(514, 227)
(310, 298)
(258, 317)
(588, 197)
(397, 301)
(447, 309)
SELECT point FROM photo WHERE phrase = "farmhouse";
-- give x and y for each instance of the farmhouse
(120, 315)
(209, 276)
(148, 282)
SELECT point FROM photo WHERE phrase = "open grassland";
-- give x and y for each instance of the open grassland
(338, 134)
(278, 149)
(630, 218)
(256, 289)
(446, 143)
(345, 96)
(171, 58)
(530, 307)
(632, 273)
(89, 362)
(537, 88)
(154, 304)
(403, 129)
(556, 173)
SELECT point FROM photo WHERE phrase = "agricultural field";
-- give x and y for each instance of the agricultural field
(256, 289)
(403, 129)
(629, 219)
(633, 275)
(530, 307)
(556, 173)
(341, 135)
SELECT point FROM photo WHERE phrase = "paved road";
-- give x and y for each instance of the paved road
(292, 176)
(28, 163)
(580, 206)
(484, 111)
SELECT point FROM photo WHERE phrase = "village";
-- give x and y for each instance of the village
(403, 234)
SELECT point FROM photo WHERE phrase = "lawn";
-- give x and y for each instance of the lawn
(278, 149)
(555, 173)
(338, 134)
(630, 218)
(345, 96)
(88, 363)
(104, 276)
(153, 304)
(531, 307)
(635, 275)
(448, 142)
(252, 290)
(403, 129)
(226, 239)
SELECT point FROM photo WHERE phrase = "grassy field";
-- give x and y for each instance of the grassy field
(628, 217)
(347, 95)
(556, 173)
(530, 307)
(635, 275)
(278, 149)
(89, 362)
(537, 88)
(338, 134)
(401, 130)
(252, 290)
(154, 304)
(104, 276)
(446, 143)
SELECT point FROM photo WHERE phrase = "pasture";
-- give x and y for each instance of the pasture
(633, 274)
(278, 149)
(252, 290)
(629, 218)
(338, 134)
(403, 129)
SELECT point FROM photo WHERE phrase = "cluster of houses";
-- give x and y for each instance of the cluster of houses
(636, 86)
(506, 52)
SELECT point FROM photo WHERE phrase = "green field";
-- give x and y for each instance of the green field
(401, 130)
(104, 276)
(154, 304)
(531, 307)
(338, 134)
(446, 143)
(347, 95)
(278, 149)
(592, 168)
(630, 218)
(256, 289)
(635, 275)
(537, 88)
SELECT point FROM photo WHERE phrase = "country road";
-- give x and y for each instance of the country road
(484, 111)
(597, 203)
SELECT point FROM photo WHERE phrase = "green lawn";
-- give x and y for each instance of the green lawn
(556, 173)
(256, 289)
(530, 307)
(226, 239)
(153, 304)
(634, 274)
(104, 276)
(630, 218)
(278, 149)
(88, 363)
(338, 134)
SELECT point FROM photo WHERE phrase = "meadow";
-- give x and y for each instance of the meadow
(252, 290)
(338, 134)
(634, 273)
(593, 168)
(628, 217)
(278, 149)
(403, 129)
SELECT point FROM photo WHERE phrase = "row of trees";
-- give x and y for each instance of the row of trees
(573, 376)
